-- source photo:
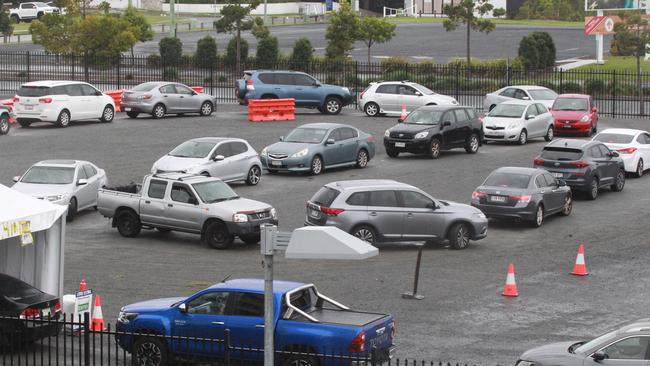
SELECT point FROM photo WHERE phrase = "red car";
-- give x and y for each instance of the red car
(575, 114)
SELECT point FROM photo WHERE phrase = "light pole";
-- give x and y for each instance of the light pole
(172, 13)
(264, 18)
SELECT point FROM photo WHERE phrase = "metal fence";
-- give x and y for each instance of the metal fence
(615, 92)
(67, 343)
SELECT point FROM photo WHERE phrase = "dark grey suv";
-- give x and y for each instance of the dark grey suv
(390, 211)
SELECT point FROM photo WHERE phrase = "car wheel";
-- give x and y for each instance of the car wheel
(459, 236)
(434, 148)
(206, 109)
(592, 193)
(132, 114)
(316, 166)
(362, 159)
(472, 144)
(24, 124)
(148, 351)
(371, 109)
(523, 137)
(550, 133)
(538, 220)
(639, 169)
(619, 182)
(568, 205)
(250, 239)
(218, 236)
(365, 233)
(254, 175)
(158, 111)
(128, 224)
(392, 153)
(333, 105)
(64, 118)
(4, 125)
(72, 209)
(300, 360)
(108, 114)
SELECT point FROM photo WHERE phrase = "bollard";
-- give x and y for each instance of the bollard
(414, 295)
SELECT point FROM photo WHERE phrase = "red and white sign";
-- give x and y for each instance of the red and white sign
(600, 24)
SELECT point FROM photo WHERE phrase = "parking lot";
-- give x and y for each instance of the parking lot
(462, 318)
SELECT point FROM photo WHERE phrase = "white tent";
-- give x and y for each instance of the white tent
(32, 240)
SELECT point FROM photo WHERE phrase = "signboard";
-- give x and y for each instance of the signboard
(591, 5)
(83, 304)
(20, 228)
(328, 5)
(600, 24)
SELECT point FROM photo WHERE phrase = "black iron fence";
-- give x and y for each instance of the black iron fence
(65, 342)
(616, 93)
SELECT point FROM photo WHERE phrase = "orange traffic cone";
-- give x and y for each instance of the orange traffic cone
(404, 114)
(580, 268)
(510, 289)
(82, 284)
(98, 317)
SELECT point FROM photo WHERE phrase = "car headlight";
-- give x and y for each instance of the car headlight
(300, 153)
(480, 215)
(240, 217)
(421, 135)
(454, 101)
(56, 197)
(585, 118)
(513, 125)
(525, 363)
(274, 214)
(265, 151)
(387, 133)
(126, 317)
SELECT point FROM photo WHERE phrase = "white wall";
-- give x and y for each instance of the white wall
(275, 8)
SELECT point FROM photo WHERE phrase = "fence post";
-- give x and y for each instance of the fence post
(373, 356)
(86, 339)
(561, 81)
(614, 95)
(509, 75)
(356, 84)
(28, 65)
(119, 59)
(457, 86)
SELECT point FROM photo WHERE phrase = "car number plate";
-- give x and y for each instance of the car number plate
(558, 175)
(29, 107)
(313, 213)
(497, 198)
(276, 162)
(127, 109)
(567, 126)
(400, 144)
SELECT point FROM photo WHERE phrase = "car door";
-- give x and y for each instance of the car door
(385, 214)
(28, 10)
(554, 195)
(308, 88)
(531, 121)
(602, 164)
(463, 126)
(387, 99)
(93, 184)
(333, 153)
(409, 97)
(183, 210)
(153, 205)
(238, 160)
(284, 88)
(421, 219)
(224, 169)
(76, 105)
(82, 193)
(246, 324)
(93, 103)
(612, 163)
(205, 317)
(169, 98)
(644, 145)
(629, 351)
(546, 118)
(188, 100)
(449, 133)
(349, 144)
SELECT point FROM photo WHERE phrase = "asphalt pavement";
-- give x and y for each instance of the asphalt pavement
(463, 317)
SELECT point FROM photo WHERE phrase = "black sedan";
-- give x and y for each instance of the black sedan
(26, 312)
(523, 194)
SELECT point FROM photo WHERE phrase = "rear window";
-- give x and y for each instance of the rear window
(507, 180)
(144, 87)
(559, 153)
(325, 196)
(266, 78)
(614, 138)
(33, 91)
(16, 289)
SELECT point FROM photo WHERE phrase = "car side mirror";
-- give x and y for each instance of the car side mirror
(98, 93)
(281, 138)
(82, 182)
(530, 116)
(418, 93)
(400, 120)
(614, 154)
(525, 98)
(194, 93)
(446, 123)
(330, 142)
(561, 183)
(432, 206)
(594, 110)
(192, 201)
(218, 158)
(182, 308)
(316, 84)
(17, 178)
(599, 356)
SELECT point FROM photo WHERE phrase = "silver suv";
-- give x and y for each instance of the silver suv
(389, 97)
(390, 211)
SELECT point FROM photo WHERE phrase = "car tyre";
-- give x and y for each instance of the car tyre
(300, 360)
(64, 119)
(472, 144)
(362, 159)
(639, 169)
(108, 114)
(316, 166)
(538, 220)
(333, 105)
(392, 153)
(619, 182)
(72, 209)
(206, 109)
(251, 239)
(24, 124)
(254, 175)
(568, 205)
(592, 193)
(4, 125)
(159, 111)
(365, 233)
(128, 224)
(523, 137)
(550, 133)
(149, 351)
(434, 148)
(132, 114)
(459, 236)
(218, 236)
(371, 109)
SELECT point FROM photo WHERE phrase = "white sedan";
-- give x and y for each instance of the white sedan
(633, 146)
(65, 182)
(518, 121)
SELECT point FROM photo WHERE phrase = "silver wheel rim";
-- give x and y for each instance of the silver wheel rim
(332, 106)
(473, 144)
(108, 114)
(254, 175)
(371, 109)
(365, 235)
(620, 181)
(639, 168)
(568, 205)
(362, 159)
(65, 119)
(206, 109)
(149, 354)
(522, 137)
(159, 112)
(4, 125)
(540, 216)
(435, 149)
(549, 134)
(462, 237)
(316, 166)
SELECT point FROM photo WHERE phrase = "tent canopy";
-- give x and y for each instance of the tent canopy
(18, 209)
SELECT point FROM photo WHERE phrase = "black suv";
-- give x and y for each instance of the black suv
(430, 129)
(583, 165)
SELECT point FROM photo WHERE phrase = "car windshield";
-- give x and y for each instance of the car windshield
(214, 191)
(424, 117)
(542, 94)
(145, 87)
(306, 135)
(571, 104)
(192, 149)
(33, 91)
(605, 338)
(40, 5)
(507, 111)
(48, 175)
(614, 138)
(424, 89)
(507, 180)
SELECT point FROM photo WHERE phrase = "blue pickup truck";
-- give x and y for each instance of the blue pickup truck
(308, 326)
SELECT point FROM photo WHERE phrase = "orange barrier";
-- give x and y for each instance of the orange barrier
(198, 89)
(262, 110)
(117, 98)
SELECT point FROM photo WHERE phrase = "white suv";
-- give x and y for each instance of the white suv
(389, 97)
(61, 102)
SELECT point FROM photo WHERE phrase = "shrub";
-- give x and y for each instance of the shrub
(537, 51)
(302, 54)
(595, 86)
(171, 51)
(397, 75)
(206, 52)
(571, 87)
(187, 60)
(267, 52)
(394, 63)
(231, 51)
(153, 61)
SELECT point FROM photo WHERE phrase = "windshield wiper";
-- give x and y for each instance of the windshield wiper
(218, 200)
(232, 198)
(180, 156)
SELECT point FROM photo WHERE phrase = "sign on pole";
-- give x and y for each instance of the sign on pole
(600, 24)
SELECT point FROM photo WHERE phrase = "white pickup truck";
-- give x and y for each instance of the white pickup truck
(30, 11)
(188, 203)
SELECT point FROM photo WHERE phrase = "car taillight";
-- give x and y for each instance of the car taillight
(329, 211)
(57, 307)
(477, 195)
(539, 161)
(629, 150)
(393, 329)
(579, 164)
(249, 84)
(147, 96)
(45, 100)
(358, 344)
(361, 95)
(524, 199)
(30, 313)
(16, 100)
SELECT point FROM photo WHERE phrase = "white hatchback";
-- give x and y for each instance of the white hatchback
(391, 97)
(633, 146)
(61, 102)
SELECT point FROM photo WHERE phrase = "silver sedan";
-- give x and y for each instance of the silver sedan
(520, 92)
(161, 97)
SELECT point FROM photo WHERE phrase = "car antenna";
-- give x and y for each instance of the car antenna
(226, 279)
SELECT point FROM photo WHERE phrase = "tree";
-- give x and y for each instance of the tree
(537, 51)
(372, 30)
(267, 52)
(54, 32)
(171, 51)
(231, 51)
(464, 13)
(233, 20)
(341, 32)
(259, 30)
(104, 7)
(206, 52)
(498, 12)
(102, 37)
(139, 23)
(302, 54)
(6, 25)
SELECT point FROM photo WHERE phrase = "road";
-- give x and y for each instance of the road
(418, 41)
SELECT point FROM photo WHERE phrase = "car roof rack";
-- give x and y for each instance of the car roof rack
(175, 176)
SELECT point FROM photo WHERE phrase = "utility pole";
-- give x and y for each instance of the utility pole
(264, 18)
(172, 13)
